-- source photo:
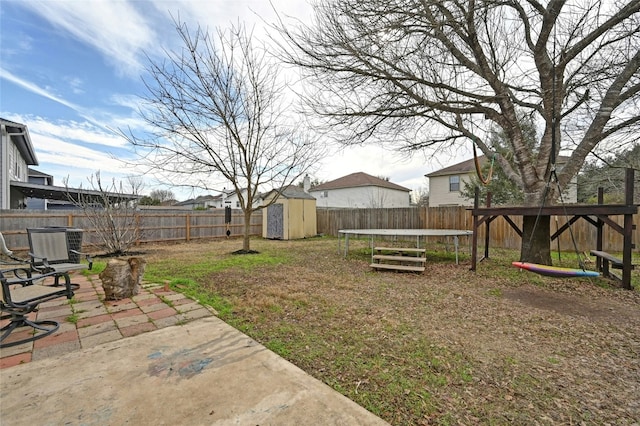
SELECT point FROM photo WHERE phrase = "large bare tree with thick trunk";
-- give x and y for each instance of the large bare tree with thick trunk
(428, 75)
(219, 117)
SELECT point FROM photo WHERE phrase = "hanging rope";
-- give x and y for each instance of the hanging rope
(485, 180)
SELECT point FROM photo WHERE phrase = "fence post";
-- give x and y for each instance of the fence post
(137, 225)
(187, 227)
(70, 220)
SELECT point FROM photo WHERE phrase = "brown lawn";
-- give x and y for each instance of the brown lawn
(448, 346)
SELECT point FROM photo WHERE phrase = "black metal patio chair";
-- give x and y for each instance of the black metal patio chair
(20, 295)
(49, 251)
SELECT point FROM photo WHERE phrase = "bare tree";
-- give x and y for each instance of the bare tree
(434, 74)
(218, 109)
(110, 208)
(162, 195)
(420, 196)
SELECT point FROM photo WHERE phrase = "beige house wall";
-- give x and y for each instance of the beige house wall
(440, 196)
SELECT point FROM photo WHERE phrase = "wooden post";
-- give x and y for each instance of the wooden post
(137, 225)
(474, 237)
(187, 227)
(487, 230)
(599, 230)
(628, 232)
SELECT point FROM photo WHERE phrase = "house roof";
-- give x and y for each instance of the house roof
(292, 192)
(201, 199)
(19, 134)
(38, 174)
(463, 167)
(469, 166)
(355, 180)
(60, 193)
(34, 172)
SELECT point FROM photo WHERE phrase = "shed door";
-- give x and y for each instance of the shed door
(275, 220)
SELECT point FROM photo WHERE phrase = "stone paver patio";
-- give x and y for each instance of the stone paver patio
(88, 320)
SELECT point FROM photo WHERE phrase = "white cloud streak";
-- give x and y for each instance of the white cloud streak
(34, 88)
(117, 29)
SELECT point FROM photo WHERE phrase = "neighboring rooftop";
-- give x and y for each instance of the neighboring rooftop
(468, 166)
(359, 179)
(463, 167)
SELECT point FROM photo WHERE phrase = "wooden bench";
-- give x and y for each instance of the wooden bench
(399, 259)
(608, 259)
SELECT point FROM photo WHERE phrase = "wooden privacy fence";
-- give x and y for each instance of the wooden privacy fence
(501, 235)
(185, 226)
(154, 226)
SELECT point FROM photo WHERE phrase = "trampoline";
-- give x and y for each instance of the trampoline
(417, 233)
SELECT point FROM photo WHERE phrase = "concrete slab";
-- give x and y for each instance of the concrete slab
(204, 372)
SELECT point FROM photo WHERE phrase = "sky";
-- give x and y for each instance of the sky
(71, 70)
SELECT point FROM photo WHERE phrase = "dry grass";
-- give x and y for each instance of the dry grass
(448, 346)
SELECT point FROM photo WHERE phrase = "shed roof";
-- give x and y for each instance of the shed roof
(292, 192)
(359, 179)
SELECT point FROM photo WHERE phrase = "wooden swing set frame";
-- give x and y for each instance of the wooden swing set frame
(596, 214)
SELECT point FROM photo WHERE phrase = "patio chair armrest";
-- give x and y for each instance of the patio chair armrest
(9, 283)
(27, 279)
(87, 256)
(44, 268)
(22, 273)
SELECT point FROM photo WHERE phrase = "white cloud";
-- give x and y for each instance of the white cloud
(123, 31)
(34, 88)
(64, 159)
(115, 28)
(52, 150)
(71, 131)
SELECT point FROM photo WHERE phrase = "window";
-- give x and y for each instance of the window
(325, 194)
(454, 183)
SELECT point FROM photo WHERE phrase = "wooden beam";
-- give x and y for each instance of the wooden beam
(581, 210)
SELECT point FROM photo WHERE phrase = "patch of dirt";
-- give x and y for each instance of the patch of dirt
(243, 251)
(577, 306)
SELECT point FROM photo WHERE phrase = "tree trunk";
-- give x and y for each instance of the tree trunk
(536, 244)
(247, 231)
(121, 278)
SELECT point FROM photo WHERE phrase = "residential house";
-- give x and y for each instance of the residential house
(445, 185)
(202, 202)
(18, 184)
(39, 178)
(231, 199)
(360, 190)
(16, 154)
(220, 201)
